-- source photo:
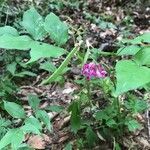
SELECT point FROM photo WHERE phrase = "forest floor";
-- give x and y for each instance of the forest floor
(99, 23)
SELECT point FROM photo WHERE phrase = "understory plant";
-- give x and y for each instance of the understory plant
(107, 106)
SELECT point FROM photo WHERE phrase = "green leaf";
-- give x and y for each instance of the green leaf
(130, 76)
(111, 123)
(48, 66)
(43, 50)
(34, 24)
(30, 128)
(12, 67)
(43, 116)
(68, 147)
(8, 30)
(14, 137)
(34, 101)
(19, 137)
(32, 120)
(32, 125)
(143, 56)
(100, 115)
(58, 30)
(128, 50)
(140, 39)
(6, 140)
(4, 123)
(132, 124)
(91, 136)
(136, 106)
(75, 116)
(25, 73)
(61, 68)
(55, 108)
(14, 109)
(15, 42)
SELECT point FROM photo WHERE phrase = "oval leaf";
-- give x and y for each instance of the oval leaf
(14, 109)
(33, 23)
(58, 30)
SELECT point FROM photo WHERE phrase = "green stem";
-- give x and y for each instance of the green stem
(89, 92)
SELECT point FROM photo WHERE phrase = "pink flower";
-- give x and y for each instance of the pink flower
(93, 70)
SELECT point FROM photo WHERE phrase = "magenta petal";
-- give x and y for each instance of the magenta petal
(93, 70)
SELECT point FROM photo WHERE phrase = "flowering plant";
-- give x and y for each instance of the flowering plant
(91, 70)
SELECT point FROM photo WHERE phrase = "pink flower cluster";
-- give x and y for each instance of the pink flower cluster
(93, 70)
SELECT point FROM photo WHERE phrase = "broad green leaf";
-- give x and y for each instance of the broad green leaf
(43, 50)
(6, 140)
(75, 116)
(14, 109)
(32, 125)
(132, 124)
(12, 67)
(143, 56)
(8, 30)
(136, 106)
(128, 50)
(34, 24)
(55, 108)
(34, 101)
(140, 39)
(15, 42)
(34, 121)
(57, 29)
(43, 116)
(48, 66)
(91, 136)
(61, 68)
(30, 128)
(130, 76)
(17, 139)
(13, 137)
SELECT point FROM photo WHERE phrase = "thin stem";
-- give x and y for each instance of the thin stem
(89, 92)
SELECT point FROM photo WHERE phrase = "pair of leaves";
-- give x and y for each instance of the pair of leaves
(12, 69)
(134, 48)
(38, 28)
(38, 49)
(34, 102)
(144, 38)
